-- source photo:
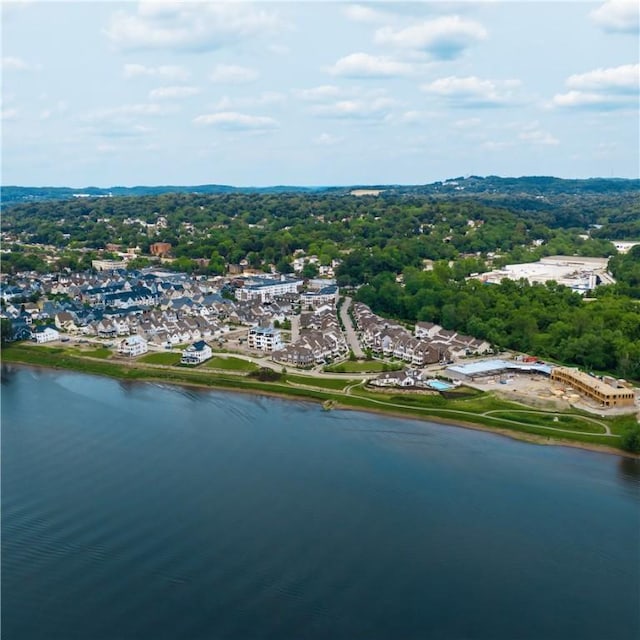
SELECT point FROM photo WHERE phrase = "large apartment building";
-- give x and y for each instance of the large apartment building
(594, 388)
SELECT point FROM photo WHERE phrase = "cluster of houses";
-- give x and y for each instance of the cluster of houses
(429, 344)
(320, 340)
(138, 309)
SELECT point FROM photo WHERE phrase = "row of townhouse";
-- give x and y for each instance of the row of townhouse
(321, 340)
(430, 343)
(319, 298)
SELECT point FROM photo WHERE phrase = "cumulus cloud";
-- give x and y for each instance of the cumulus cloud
(193, 27)
(129, 110)
(124, 121)
(623, 79)
(618, 16)
(232, 74)
(234, 121)
(472, 91)
(602, 89)
(356, 109)
(364, 13)
(8, 114)
(443, 38)
(173, 93)
(327, 140)
(363, 65)
(168, 72)
(227, 103)
(13, 63)
(315, 94)
(533, 134)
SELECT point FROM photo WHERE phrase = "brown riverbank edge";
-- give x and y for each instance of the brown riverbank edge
(531, 438)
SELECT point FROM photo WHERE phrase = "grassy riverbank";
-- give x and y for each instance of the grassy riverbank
(476, 409)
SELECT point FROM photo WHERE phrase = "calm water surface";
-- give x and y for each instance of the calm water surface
(151, 512)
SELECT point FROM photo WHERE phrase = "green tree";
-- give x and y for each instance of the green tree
(630, 440)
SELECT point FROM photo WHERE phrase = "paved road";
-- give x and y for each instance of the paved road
(352, 338)
(295, 327)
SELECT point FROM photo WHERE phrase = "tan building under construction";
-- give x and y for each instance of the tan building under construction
(593, 387)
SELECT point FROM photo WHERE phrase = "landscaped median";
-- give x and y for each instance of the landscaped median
(475, 409)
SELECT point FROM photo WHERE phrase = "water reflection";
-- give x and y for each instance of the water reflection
(629, 469)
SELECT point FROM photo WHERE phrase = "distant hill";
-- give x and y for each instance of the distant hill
(14, 194)
(527, 186)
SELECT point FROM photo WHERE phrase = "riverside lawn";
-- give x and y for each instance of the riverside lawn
(476, 410)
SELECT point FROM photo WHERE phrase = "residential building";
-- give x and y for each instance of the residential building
(594, 388)
(45, 334)
(133, 346)
(264, 339)
(196, 353)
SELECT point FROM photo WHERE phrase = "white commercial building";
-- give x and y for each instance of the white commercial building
(577, 273)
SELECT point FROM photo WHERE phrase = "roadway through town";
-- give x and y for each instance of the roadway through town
(350, 332)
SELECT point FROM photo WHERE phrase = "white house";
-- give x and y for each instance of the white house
(264, 339)
(133, 346)
(45, 334)
(196, 353)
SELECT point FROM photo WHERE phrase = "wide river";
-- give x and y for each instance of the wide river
(143, 511)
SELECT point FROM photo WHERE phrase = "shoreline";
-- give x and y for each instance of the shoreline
(521, 436)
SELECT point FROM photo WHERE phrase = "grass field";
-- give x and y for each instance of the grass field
(554, 420)
(167, 357)
(229, 363)
(325, 383)
(360, 366)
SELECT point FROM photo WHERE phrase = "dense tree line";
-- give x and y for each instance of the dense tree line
(548, 320)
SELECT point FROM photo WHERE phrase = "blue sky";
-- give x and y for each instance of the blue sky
(316, 93)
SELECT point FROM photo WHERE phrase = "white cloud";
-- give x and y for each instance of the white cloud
(106, 148)
(327, 140)
(168, 72)
(235, 121)
(472, 91)
(186, 26)
(227, 103)
(129, 110)
(13, 63)
(363, 65)
(124, 121)
(363, 13)
(602, 89)
(163, 93)
(356, 109)
(232, 74)
(533, 134)
(467, 123)
(417, 117)
(621, 16)
(319, 94)
(585, 100)
(494, 145)
(623, 79)
(444, 38)
(8, 114)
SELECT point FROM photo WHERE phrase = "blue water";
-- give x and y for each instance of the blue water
(439, 385)
(145, 511)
